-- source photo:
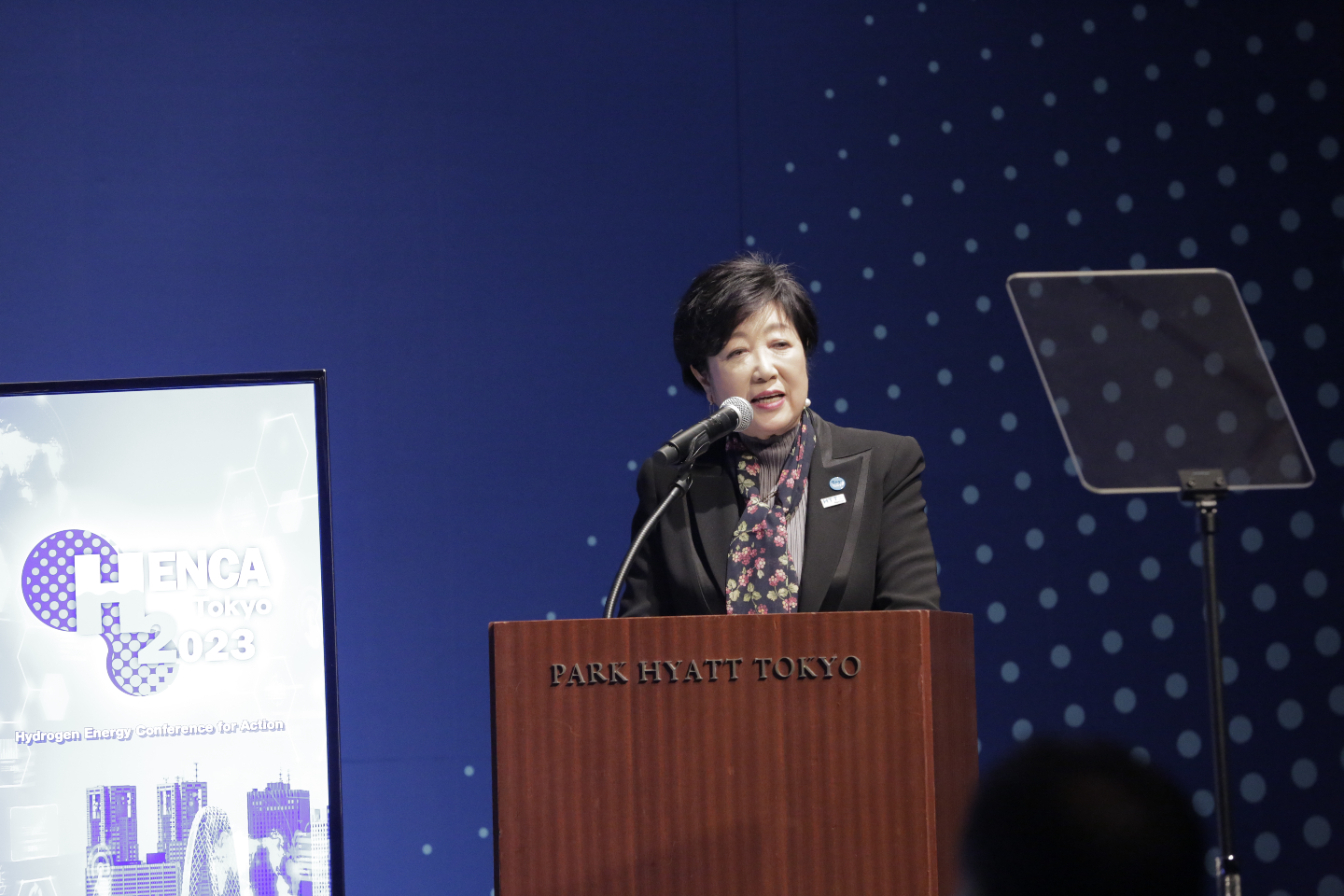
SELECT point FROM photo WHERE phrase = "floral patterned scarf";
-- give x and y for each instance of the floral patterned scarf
(762, 577)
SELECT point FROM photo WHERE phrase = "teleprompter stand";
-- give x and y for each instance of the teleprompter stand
(1159, 384)
(1204, 489)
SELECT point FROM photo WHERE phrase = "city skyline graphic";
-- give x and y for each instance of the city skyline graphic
(288, 848)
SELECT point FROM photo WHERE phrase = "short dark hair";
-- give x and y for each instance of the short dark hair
(1061, 818)
(726, 294)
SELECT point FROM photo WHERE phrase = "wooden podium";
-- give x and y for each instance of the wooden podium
(788, 755)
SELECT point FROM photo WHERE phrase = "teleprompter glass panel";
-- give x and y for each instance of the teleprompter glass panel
(1152, 372)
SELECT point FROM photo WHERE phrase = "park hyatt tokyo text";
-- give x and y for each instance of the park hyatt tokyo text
(246, 726)
(782, 668)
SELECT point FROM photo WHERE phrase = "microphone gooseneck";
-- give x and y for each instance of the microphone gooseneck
(734, 415)
(613, 605)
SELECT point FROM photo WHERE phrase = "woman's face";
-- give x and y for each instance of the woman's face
(763, 362)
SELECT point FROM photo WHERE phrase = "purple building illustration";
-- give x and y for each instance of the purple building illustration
(112, 822)
(178, 804)
(158, 879)
(280, 809)
(114, 866)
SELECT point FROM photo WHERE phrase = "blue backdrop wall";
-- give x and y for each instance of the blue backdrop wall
(478, 218)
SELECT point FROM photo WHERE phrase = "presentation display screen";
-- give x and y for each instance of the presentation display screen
(167, 683)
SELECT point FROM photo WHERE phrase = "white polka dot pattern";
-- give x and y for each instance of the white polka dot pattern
(49, 574)
(1146, 137)
(49, 591)
(123, 659)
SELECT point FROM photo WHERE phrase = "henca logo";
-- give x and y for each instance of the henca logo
(77, 582)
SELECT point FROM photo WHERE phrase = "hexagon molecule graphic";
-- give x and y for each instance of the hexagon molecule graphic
(275, 688)
(43, 886)
(6, 589)
(55, 697)
(281, 457)
(244, 505)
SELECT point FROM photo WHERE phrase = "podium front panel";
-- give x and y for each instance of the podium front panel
(788, 754)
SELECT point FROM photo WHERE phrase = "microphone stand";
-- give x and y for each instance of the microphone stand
(682, 484)
(694, 445)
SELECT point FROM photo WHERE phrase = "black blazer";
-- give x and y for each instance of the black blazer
(873, 552)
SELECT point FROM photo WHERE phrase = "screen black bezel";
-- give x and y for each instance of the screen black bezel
(318, 379)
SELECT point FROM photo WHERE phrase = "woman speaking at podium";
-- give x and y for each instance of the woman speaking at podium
(794, 514)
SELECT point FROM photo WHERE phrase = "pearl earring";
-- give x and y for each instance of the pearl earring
(807, 402)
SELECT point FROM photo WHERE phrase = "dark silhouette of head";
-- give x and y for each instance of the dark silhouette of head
(1080, 819)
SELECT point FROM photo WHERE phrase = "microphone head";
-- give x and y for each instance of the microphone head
(743, 408)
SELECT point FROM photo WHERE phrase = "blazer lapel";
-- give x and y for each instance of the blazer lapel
(713, 501)
(831, 531)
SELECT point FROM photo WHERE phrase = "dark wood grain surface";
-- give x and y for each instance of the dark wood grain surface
(787, 787)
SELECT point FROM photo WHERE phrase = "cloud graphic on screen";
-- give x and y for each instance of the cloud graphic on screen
(17, 454)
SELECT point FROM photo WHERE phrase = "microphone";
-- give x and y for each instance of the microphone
(734, 415)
